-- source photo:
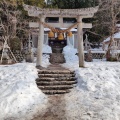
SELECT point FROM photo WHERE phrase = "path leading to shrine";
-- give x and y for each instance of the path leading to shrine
(55, 81)
(55, 110)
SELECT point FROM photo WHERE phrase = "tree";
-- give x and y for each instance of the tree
(12, 22)
(38, 3)
(7, 26)
(106, 19)
(8, 19)
(72, 4)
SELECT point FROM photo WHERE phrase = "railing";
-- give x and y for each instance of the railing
(95, 54)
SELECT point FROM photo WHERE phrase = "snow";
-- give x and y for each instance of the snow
(97, 94)
(70, 54)
(70, 51)
(45, 57)
(19, 96)
(98, 51)
(47, 29)
(46, 49)
(45, 60)
(116, 35)
(73, 29)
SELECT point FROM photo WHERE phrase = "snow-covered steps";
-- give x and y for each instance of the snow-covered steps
(56, 80)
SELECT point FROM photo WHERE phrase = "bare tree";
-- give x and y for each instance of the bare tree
(114, 12)
(8, 23)
(108, 16)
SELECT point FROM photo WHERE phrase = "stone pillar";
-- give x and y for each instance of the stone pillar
(61, 21)
(80, 42)
(40, 42)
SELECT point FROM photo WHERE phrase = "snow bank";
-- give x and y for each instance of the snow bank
(70, 55)
(45, 60)
(46, 49)
(97, 95)
(19, 96)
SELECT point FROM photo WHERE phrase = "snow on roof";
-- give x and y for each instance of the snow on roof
(116, 35)
(47, 29)
(73, 29)
(118, 25)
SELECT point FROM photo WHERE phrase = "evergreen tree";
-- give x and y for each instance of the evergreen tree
(38, 3)
(72, 4)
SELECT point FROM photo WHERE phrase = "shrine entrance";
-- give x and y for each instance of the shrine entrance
(60, 41)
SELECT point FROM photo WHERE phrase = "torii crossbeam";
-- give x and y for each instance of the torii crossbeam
(79, 14)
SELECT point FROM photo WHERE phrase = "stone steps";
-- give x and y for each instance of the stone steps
(55, 87)
(56, 80)
(56, 75)
(55, 72)
(52, 92)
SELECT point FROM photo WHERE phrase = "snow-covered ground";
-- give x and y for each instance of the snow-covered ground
(97, 95)
(20, 98)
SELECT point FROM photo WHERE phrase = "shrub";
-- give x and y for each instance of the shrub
(15, 44)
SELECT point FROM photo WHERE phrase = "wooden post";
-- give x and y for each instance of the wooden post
(40, 42)
(80, 42)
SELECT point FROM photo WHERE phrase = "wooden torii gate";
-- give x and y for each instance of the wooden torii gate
(79, 14)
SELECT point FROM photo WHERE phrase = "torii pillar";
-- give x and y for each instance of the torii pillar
(40, 41)
(80, 42)
(68, 13)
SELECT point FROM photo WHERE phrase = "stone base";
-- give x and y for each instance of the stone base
(40, 67)
(57, 58)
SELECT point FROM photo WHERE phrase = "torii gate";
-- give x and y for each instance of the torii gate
(79, 14)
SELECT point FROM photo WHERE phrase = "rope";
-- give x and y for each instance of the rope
(57, 30)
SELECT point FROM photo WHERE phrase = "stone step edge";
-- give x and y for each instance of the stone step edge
(53, 92)
(56, 79)
(56, 75)
(55, 72)
(56, 82)
(54, 87)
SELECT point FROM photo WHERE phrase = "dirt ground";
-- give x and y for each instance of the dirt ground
(55, 110)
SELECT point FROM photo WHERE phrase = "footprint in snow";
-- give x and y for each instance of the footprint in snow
(89, 74)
